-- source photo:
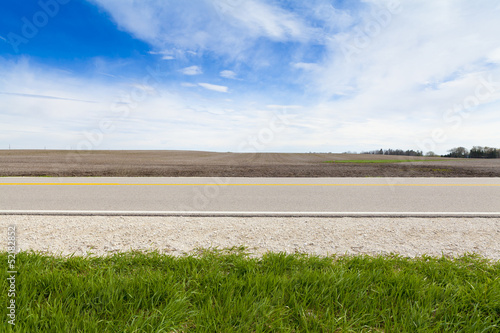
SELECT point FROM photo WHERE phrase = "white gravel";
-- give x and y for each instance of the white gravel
(91, 235)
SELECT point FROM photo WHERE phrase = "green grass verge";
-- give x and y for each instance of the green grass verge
(229, 292)
(380, 161)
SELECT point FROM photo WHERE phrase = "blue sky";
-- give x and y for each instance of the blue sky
(249, 75)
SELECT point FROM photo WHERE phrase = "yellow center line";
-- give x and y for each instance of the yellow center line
(121, 184)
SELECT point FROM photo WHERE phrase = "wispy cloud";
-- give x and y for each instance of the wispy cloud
(3, 38)
(213, 87)
(261, 19)
(228, 74)
(272, 106)
(494, 56)
(46, 97)
(166, 54)
(219, 25)
(306, 66)
(191, 70)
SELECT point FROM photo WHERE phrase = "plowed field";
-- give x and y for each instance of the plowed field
(63, 163)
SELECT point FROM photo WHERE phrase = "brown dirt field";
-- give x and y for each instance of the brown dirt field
(64, 163)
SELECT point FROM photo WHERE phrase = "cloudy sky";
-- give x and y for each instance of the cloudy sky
(250, 75)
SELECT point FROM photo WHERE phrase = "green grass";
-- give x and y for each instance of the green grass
(380, 161)
(218, 291)
(441, 170)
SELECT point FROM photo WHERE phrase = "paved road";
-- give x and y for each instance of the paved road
(253, 196)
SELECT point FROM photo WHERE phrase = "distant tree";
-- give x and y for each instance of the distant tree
(431, 154)
(475, 152)
(394, 152)
(491, 152)
(458, 152)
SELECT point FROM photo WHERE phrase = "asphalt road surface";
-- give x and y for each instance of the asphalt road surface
(251, 196)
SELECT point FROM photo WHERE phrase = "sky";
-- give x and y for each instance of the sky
(250, 75)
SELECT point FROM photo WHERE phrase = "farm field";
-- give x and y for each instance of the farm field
(64, 163)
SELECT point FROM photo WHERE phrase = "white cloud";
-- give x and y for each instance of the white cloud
(170, 119)
(51, 108)
(228, 74)
(192, 70)
(189, 85)
(213, 87)
(3, 38)
(389, 71)
(407, 51)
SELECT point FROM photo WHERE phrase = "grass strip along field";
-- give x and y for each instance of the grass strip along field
(227, 291)
(381, 161)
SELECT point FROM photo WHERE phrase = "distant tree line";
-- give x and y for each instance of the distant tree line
(475, 152)
(394, 152)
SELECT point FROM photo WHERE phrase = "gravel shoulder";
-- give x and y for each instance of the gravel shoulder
(101, 235)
